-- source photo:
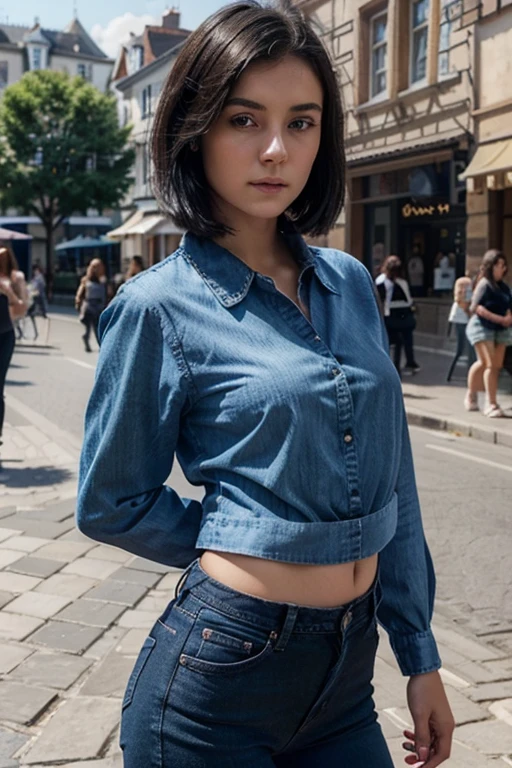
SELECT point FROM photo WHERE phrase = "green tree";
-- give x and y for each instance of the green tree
(61, 150)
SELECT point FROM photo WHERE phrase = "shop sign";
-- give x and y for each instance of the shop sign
(427, 210)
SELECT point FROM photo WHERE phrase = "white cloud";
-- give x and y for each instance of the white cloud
(118, 30)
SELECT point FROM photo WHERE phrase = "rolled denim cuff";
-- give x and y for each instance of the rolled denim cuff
(417, 653)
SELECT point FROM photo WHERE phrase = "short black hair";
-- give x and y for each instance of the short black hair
(211, 60)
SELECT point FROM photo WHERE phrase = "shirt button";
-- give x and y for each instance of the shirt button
(335, 371)
(348, 438)
(317, 338)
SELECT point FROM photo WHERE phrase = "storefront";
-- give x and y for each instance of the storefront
(413, 207)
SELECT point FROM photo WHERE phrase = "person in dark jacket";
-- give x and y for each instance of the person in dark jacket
(398, 307)
(489, 330)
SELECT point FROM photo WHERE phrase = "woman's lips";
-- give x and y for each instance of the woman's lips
(268, 188)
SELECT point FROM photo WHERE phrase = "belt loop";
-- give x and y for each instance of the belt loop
(289, 623)
(183, 578)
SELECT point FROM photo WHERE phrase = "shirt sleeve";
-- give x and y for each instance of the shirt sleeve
(478, 294)
(407, 578)
(141, 390)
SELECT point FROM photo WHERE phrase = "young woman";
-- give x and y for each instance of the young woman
(262, 363)
(12, 306)
(459, 317)
(489, 330)
(91, 300)
(398, 306)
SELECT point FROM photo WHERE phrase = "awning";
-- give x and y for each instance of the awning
(489, 159)
(149, 224)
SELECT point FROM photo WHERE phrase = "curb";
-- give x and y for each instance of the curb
(416, 418)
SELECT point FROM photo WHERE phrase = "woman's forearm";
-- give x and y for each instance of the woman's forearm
(488, 315)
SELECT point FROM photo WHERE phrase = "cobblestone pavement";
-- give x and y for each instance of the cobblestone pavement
(73, 615)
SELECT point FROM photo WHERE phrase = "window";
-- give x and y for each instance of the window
(445, 26)
(4, 74)
(145, 164)
(419, 39)
(84, 70)
(36, 58)
(136, 58)
(378, 53)
(146, 101)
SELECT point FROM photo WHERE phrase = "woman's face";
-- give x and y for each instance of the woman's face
(499, 270)
(259, 153)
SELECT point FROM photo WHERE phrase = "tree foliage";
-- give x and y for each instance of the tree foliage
(61, 148)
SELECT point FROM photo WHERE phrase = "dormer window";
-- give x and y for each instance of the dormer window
(136, 58)
(37, 56)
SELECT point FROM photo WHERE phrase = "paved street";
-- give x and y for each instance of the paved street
(74, 613)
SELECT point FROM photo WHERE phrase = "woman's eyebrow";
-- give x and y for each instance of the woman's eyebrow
(237, 101)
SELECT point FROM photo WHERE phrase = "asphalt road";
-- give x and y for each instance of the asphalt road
(465, 485)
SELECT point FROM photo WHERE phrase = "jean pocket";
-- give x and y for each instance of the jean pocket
(222, 644)
(142, 658)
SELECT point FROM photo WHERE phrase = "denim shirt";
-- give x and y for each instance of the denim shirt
(296, 429)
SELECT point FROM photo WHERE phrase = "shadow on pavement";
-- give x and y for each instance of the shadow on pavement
(13, 477)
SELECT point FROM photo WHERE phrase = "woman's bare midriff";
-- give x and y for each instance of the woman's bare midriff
(318, 586)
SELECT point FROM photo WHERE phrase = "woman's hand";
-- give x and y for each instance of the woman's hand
(507, 320)
(5, 287)
(431, 740)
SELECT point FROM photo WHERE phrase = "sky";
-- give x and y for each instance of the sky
(108, 21)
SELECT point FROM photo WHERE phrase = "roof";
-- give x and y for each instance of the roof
(420, 145)
(73, 41)
(162, 40)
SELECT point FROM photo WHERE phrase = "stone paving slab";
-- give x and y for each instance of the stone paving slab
(62, 636)
(118, 592)
(41, 528)
(135, 577)
(35, 566)
(95, 613)
(10, 743)
(91, 568)
(110, 677)
(65, 738)
(104, 552)
(5, 597)
(15, 627)
(25, 543)
(23, 703)
(53, 670)
(491, 737)
(11, 655)
(64, 550)
(17, 582)
(67, 585)
(39, 605)
(8, 557)
(141, 564)
(492, 691)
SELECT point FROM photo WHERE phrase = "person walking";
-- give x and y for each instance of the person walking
(490, 331)
(398, 307)
(262, 363)
(91, 300)
(12, 306)
(459, 317)
(135, 267)
(39, 304)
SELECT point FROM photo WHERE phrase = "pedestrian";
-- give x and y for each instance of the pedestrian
(91, 300)
(39, 304)
(12, 306)
(262, 363)
(135, 267)
(399, 316)
(459, 317)
(489, 330)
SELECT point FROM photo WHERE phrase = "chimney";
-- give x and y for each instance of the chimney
(171, 20)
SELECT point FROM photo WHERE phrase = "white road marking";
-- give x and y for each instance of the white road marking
(64, 318)
(443, 352)
(80, 362)
(462, 455)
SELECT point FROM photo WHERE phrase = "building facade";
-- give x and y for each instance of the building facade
(489, 175)
(139, 75)
(404, 69)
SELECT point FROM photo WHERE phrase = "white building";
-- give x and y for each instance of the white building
(139, 74)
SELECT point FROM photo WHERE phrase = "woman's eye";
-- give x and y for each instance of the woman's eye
(242, 121)
(301, 124)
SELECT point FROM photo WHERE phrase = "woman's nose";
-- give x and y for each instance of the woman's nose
(274, 150)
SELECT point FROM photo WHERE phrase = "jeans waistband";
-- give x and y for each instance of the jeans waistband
(282, 618)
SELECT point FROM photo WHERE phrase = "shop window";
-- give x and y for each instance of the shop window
(378, 38)
(419, 40)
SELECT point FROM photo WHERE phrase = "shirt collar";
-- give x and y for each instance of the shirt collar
(229, 278)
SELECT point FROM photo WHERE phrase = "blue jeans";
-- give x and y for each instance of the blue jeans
(228, 680)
